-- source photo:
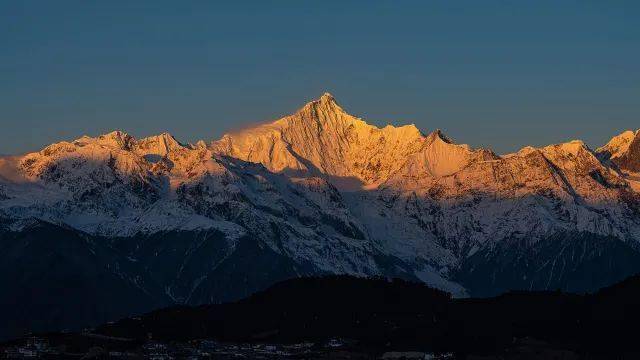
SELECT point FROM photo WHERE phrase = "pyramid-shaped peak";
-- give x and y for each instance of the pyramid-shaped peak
(325, 104)
(327, 97)
(437, 134)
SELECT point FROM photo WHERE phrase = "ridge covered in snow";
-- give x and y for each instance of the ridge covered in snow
(618, 145)
(331, 193)
(322, 138)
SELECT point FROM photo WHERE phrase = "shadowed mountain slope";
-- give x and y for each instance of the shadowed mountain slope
(317, 192)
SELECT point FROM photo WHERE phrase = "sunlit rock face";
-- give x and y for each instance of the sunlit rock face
(623, 151)
(321, 191)
(322, 138)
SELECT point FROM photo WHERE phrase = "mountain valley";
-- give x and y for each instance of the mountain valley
(153, 222)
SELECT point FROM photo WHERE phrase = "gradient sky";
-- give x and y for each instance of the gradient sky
(501, 74)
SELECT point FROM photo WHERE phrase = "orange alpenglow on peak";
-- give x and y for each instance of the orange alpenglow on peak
(322, 138)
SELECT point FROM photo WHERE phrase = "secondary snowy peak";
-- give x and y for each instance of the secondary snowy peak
(117, 150)
(573, 155)
(322, 138)
(624, 151)
(157, 145)
(442, 157)
(115, 139)
(572, 164)
(99, 178)
(160, 145)
(618, 145)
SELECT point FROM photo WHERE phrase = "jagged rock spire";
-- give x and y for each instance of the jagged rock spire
(323, 138)
(437, 134)
(322, 108)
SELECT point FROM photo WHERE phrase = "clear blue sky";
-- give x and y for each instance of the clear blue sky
(502, 74)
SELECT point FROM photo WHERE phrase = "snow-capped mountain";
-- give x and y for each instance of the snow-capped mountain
(417, 194)
(316, 192)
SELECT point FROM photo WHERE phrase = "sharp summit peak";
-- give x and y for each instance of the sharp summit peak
(438, 134)
(325, 98)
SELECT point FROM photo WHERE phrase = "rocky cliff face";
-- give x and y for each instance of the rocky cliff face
(321, 138)
(414, 192)
(322, 191)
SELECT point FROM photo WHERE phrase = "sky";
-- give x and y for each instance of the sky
(496, 74)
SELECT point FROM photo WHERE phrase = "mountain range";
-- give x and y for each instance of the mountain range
(99, 228)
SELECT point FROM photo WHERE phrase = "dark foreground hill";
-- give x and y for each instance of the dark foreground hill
(374, 316)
